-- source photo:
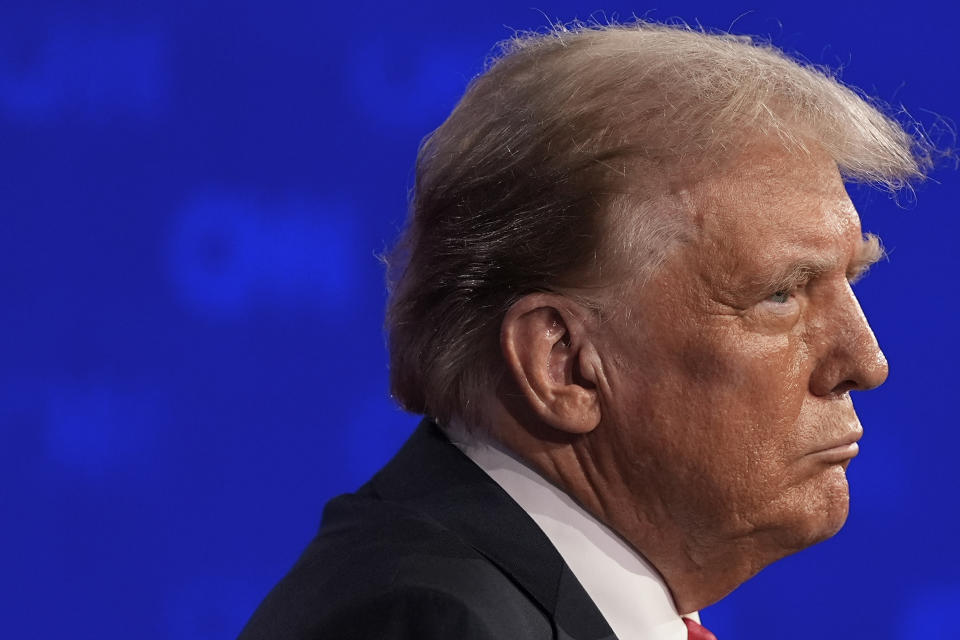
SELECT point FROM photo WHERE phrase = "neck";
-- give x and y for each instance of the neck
(698, 567)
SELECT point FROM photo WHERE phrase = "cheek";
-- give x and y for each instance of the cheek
(719, 407)
(742, 402)
(744, 406)
(753, 374)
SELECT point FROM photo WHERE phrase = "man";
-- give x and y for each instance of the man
(623, 300)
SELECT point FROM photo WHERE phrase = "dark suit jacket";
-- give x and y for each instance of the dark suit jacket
(431, 547)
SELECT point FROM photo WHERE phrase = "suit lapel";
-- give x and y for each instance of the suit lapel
(432, 476)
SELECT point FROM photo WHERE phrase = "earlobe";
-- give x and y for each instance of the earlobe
(548, 353)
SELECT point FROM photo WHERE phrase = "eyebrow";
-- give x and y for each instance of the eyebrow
(869, 252)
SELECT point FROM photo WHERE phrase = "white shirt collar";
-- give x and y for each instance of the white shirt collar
(627, 590)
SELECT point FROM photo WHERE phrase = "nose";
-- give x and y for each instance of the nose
(852, 359)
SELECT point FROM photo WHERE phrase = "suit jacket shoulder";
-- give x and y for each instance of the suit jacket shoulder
(431, 547)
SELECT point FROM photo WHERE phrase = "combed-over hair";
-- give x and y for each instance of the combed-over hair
(549, 176)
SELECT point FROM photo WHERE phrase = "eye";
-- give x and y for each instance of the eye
(780, 297)
(784, 303)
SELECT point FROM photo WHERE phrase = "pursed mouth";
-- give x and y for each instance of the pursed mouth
(841, 449)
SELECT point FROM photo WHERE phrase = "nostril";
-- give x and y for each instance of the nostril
(844, 387)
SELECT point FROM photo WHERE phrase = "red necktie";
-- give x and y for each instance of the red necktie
(697, 632)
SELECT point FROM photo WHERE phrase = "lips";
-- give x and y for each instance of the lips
(841, 449)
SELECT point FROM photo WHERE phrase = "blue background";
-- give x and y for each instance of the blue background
(191, 357)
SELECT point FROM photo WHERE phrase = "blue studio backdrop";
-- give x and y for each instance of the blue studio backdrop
(193, 196)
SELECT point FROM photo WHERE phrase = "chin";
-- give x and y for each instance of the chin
(816, 512)
(836, 502)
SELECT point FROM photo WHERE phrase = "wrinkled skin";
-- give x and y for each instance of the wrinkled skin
(705, 416)
(727, 424)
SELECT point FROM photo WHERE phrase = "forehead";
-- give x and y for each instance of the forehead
(771, 204)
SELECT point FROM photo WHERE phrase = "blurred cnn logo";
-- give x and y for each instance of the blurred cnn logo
(228, 254)
(93, 71)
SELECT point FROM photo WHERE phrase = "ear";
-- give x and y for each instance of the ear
(548, 353)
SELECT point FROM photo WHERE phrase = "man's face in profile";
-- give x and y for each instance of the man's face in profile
(731, 368)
